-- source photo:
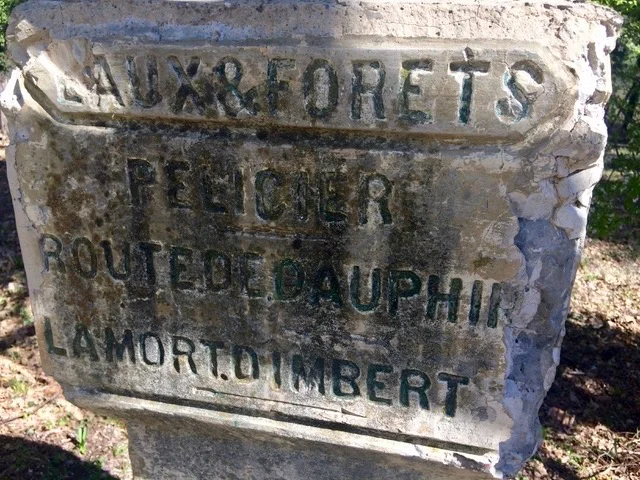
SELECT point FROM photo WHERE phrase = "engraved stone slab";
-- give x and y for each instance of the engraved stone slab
(354, 224)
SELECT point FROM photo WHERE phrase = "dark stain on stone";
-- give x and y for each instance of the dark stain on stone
(481, 262)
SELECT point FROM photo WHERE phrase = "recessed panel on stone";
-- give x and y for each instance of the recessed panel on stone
(279, 278)
(354, 224)
(438, 88)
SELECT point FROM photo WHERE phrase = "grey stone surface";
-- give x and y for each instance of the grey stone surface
(169, 441)
(344, 233)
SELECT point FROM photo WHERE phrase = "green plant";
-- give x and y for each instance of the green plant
(19, 386)
(575, 459)
(120, 449)
(616, 201)
(64, 421)
(590, 277)
(18, 262)
(26, 316)
(6, 7)
(81, 438)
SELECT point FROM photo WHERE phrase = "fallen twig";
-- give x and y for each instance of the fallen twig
(22, 415)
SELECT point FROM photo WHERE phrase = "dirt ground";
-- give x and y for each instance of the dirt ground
(591, 417)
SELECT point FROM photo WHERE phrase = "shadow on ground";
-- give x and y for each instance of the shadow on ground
(10, 258)
(23, 459)
(597, 379)
(596, 385)
(17, 336)
(13, 291)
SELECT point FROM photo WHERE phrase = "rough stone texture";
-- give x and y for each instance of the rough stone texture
(163, 439)
(344, 232)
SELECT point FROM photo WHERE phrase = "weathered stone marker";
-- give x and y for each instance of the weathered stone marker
(307, 239)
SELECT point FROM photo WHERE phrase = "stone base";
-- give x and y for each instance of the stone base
(172, 450)
(178, 442)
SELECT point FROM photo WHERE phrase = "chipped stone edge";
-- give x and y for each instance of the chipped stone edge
(12, 102)
(553, 222)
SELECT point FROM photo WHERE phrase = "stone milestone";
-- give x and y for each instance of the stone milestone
(307, 239)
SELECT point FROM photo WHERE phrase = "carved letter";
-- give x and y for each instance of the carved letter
(320, 89)
(410, 68)
(186, 90)
(468, 68)
(524, 82)
(361, 87)
(153, 97)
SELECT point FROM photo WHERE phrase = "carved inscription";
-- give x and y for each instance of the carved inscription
(279, 195)
(334, 378)
(283, 280)
(456, 90)
(293, 289)
(325, 282)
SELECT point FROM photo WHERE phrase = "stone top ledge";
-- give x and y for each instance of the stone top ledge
(189, 9)
(567, 22)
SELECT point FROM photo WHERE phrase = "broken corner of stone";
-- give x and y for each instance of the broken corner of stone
(307, 239)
